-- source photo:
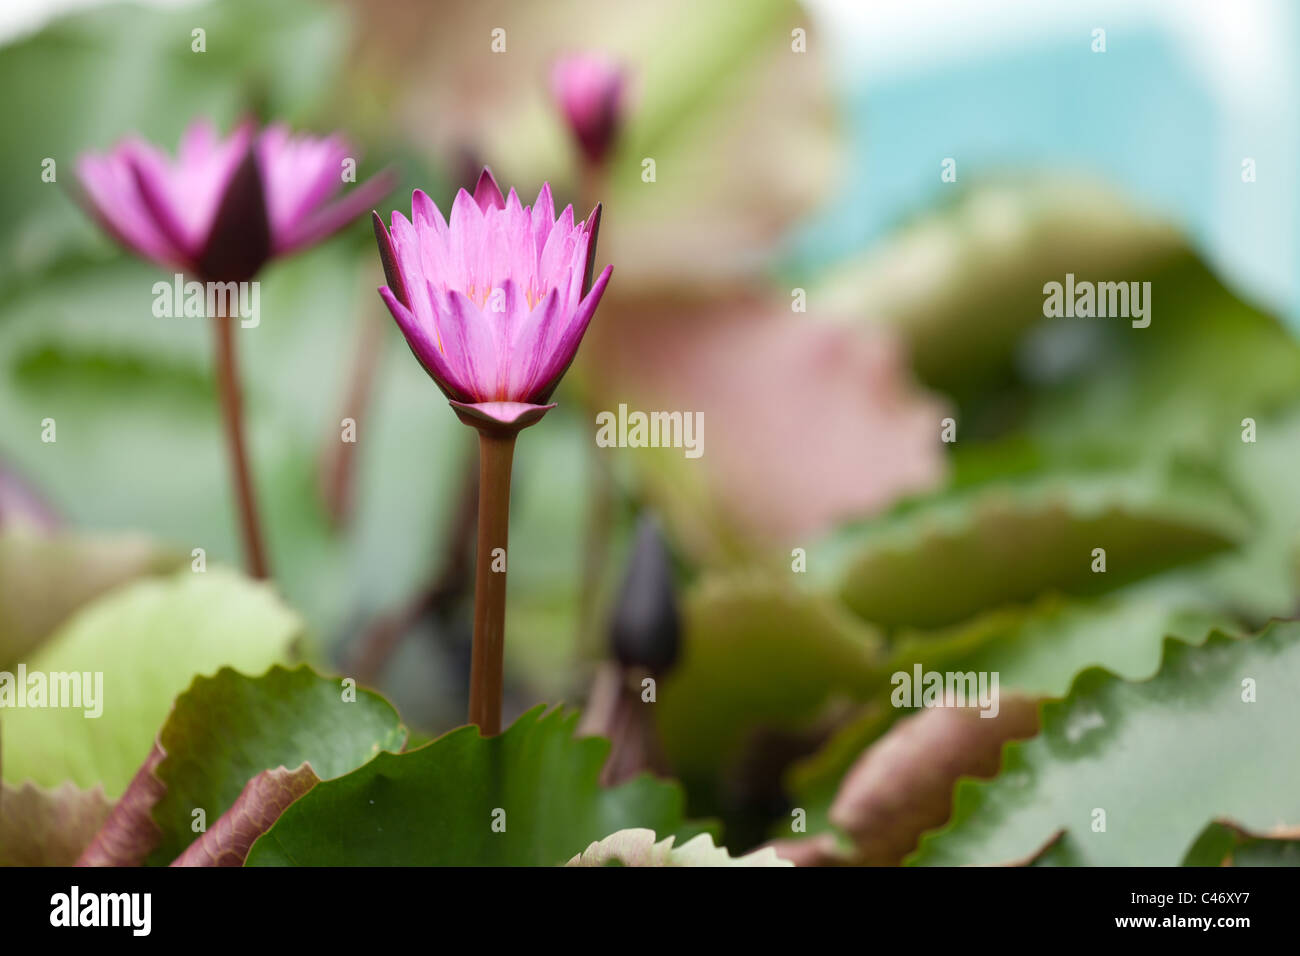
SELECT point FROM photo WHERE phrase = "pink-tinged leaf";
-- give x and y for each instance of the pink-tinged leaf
(775, 393)
(129, 834)
(40, 827)
(260, 804)
(903, 784)
(223, 750)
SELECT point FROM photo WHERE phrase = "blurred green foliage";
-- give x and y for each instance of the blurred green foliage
(1072, 435)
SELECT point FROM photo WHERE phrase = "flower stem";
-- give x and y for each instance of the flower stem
(233, 421)
(495, 453)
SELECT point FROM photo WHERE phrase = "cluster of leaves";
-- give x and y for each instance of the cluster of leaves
(289, 754)
(1170, 448)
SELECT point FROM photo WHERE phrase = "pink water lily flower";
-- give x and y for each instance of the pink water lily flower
(495, 301)
(222, 207)
(589, 89)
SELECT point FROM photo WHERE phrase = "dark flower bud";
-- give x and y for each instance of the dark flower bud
(646, 626)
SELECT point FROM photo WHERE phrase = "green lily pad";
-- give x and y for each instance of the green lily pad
(939, 561)
(1210, 735)
(1036, 651)
(147, 640)
(228, 728)
(528, 797)
(963, 283)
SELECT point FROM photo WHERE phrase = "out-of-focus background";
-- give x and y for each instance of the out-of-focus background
(1117, 141)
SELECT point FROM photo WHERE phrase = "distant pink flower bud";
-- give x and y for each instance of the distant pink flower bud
(590, 92)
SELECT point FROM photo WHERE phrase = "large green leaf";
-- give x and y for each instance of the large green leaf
(1263, 577)
(228, 728)
(939, 561)
(148, 640)
(527, 797)
(964, 286)
(1158, 757)
(1207, 361)
(1036, 650)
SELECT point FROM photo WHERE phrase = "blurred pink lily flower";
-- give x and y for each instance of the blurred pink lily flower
(494, 303)
(589, 90)
(223, 207)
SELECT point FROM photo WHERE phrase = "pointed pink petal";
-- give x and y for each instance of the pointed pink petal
(487, 193)
(388, 257)
(326, 221)
(560, 355)
(110, 195)
(300, 173)
(543, 216)
(425, 209)
(591, 230)
(557, 256)
(424, 347)
(470, 343)
(528, 345)
(150, 170)
(420, 298)
(513, 367)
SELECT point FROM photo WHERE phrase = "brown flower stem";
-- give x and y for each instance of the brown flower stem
(495, 452)
(233, 421)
